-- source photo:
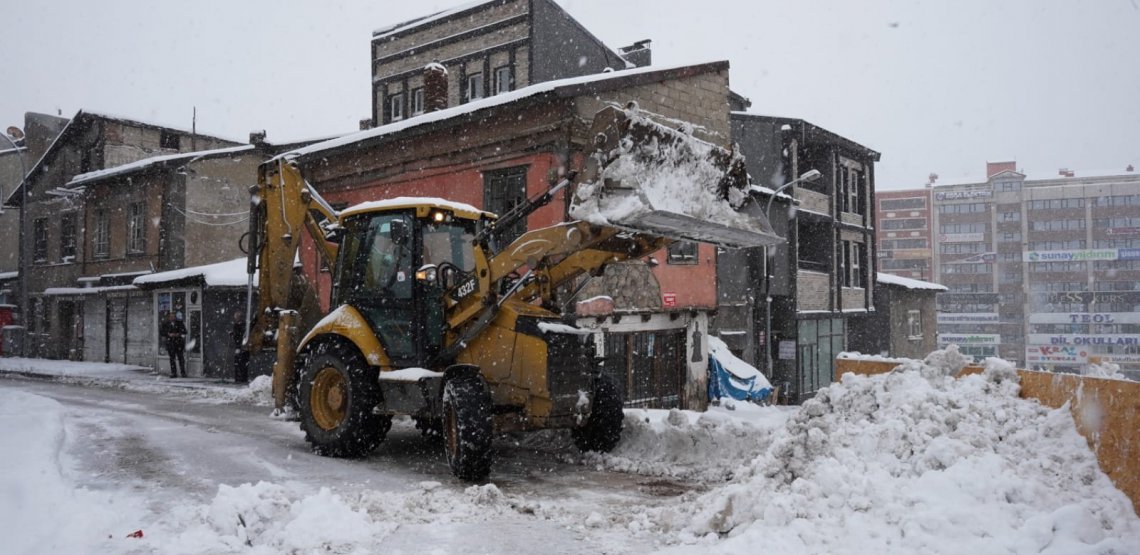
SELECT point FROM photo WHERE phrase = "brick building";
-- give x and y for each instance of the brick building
(497, 151)
(903, 224)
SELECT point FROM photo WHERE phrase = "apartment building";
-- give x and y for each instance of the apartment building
(1041, 270)
(903, 232)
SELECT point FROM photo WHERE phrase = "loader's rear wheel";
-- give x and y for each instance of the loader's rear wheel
(337, 394)
(467, 427)
(602, 430)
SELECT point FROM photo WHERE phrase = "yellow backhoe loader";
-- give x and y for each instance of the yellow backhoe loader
(431, 318)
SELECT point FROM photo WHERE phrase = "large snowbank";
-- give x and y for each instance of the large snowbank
(915, 461)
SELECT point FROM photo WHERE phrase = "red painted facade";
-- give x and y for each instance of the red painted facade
(694, 285)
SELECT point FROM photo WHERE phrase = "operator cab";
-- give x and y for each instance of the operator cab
(396, 261)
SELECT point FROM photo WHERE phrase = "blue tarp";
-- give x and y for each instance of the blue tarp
(723, 383)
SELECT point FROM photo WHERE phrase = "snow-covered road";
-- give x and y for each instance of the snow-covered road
(913, 461)
(172, 456)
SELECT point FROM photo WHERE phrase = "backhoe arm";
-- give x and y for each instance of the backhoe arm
(282, 204)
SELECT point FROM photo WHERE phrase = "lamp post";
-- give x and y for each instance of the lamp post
(770, 255)
(22, 276)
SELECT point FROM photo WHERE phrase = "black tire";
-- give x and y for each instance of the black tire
(602, 430)
(337, 394)
(467, 427)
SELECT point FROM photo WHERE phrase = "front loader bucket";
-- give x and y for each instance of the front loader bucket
(647, 178)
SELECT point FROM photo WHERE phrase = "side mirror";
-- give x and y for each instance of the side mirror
(399, 232)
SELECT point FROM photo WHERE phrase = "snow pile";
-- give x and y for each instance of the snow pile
(677, 176)
(258, 392)
(1108, 370)
(914, 461)
(270, 518)
(709, 446)
(42, 512)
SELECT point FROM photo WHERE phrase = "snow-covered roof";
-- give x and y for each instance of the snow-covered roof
(87, 290)
(9, 275)
(470, 107)
(909, 283)
(1078, 175)
(155, 160)
(411, 23)
(406, 202)
(222, 274)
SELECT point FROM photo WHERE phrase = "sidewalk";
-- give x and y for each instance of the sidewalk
(126, 376)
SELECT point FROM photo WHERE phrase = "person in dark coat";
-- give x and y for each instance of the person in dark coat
(173, 331)
(241, 356)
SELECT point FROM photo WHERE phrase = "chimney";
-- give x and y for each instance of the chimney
(435, 87)
(639, 53)
(1065, 172)
(1130, 168)
(993, 168)
(257, 138)
(366, 124)
(931, 179)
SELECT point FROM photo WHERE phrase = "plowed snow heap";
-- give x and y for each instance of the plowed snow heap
(644, 176)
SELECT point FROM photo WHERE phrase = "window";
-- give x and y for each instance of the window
(1057, 225)
(169, 140)
(136, 227)
(1056, 204)
(914, 324)
(1012, 216)
(40, 240)
(913, 203)
(850, 186)
(1007, 186)
(417, 101)
(852, 264)
(964, 228)
(969, 208)
(396, 107)
(682, 252)
(1119, 200)
(907, 223)
(102, 241)
(502, 191)
(67, 237)
(474, 86)
(888, 244)
(1011, 237)
(502, 80)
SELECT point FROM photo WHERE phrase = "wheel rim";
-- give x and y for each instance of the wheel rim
(328, 398)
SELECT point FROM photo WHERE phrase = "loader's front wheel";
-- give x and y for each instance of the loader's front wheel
(337, 394)
(467, 427)
(602, 430)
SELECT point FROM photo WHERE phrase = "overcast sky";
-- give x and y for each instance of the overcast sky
(934, 86)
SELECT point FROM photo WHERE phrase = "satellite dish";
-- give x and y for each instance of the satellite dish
(15, 132)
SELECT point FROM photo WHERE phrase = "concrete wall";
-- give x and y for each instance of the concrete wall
(564, 48)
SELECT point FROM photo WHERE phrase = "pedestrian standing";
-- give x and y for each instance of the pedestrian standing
(174, 332)
(241, 356)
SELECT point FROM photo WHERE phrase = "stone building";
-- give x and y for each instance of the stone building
(58, 230)
(903, 323)
(488, 48)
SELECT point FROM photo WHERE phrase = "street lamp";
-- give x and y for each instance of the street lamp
(770, 254)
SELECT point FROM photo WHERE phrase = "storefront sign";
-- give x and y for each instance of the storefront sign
(961, 237)
(969, 339)
(909, 253)
(1071, 256)
(967, 318)
(1085, 318)
(787, 350)
(1124, 231)
(1083, 339)
(1052, 354)
(959, 195)
(669, 300)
